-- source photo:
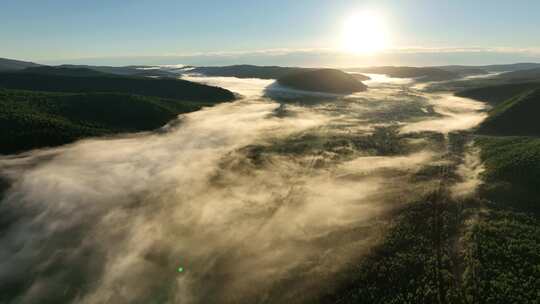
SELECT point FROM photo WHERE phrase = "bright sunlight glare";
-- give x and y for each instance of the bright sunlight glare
(364, 33)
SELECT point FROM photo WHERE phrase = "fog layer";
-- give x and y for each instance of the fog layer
(256, 200)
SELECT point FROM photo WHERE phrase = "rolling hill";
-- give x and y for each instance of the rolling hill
(253, 71)
(125, 70)
(464, 70)
(324, 80)
(247, 71)
(63, 71)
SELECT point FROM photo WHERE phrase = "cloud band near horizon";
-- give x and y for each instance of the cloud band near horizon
(317, 57)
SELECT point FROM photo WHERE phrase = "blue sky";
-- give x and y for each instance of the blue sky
(265, 32)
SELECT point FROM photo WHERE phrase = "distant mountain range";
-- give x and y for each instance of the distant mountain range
(494, 67)
(143, 71)
(276, 72)
(436, 73)
(17, 65)
(453, 72)
(425, 73)
(248, 71)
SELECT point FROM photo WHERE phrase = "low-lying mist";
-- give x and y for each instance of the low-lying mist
(254, 200)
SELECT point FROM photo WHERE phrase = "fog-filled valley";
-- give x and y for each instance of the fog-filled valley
(267, 199)
(270, 152)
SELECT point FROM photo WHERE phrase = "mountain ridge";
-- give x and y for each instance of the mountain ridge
(14, 65)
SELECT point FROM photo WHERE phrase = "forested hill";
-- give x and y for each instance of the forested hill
(165, 88)
(49, 106)
(43, 119)
(495, 94)
(515, 111)
(253, 71)
(324, 80)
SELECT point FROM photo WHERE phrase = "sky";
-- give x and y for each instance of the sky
(300, 32)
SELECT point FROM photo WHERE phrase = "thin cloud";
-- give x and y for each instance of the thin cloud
(331, 57)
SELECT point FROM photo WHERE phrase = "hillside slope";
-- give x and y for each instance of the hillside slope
(522, 75)
(518, 116)
(14, 65)
(496, 94)
(39, 119)
(165, 88)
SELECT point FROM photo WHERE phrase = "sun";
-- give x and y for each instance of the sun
(364, 33)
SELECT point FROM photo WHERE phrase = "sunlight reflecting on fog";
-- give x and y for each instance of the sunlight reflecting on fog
(246, 197)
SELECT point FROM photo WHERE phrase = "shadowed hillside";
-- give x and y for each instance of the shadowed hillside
(49, 106)
(37, 119)
(498, 93)
(522, 75)
(516, 116)
(166, 88)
